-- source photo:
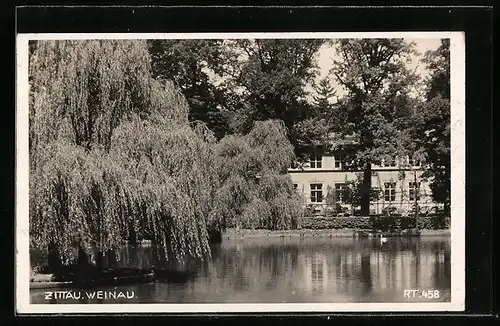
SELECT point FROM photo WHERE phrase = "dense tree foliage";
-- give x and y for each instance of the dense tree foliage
(111, 150)
(438, 63)
(84, 89)
(432, 123)
(113, 154)
(192, 65)
(271, 79)
(324, 95)
(255, 192)
(374, 74)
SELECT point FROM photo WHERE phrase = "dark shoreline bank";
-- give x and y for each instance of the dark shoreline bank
(343, 233)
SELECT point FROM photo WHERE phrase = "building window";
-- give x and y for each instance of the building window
(339, 192)
(413, 162)
(390, 162)
(316, 193)
(375, 193)
(390, 191)
(339, 161)
(414, 190)
(316, 162)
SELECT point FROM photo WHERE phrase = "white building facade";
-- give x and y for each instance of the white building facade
(398, 182)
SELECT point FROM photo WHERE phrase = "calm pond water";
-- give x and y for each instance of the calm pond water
(292, 270)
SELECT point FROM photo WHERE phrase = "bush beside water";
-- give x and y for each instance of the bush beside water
(434, 222)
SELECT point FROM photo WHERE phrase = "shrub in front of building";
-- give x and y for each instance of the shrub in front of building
(353, 222)
(434, 222)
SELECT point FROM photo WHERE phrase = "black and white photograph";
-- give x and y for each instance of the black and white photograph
(240, 172)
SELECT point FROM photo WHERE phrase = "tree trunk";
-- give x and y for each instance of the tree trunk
(215, 236)
(83, 267)
(54, 258)
(365, 189)
(83, 258)
(132, 238)
(111, 258)
(99, 260)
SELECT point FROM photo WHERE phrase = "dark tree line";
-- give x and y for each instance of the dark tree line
(259, 80)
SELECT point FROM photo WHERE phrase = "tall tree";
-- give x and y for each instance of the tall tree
(193, 65)
(375, 76)
(324, 94)
(438, 63)
(101, 159)
(433, 127)
(272, 77)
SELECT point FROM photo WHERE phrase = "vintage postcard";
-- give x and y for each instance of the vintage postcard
(240, 172)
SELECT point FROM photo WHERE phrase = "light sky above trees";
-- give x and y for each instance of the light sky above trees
(327, 54)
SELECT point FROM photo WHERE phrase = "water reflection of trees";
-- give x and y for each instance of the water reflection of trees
(243, 267)
(303, 269)
(328, 267)
(365, 271)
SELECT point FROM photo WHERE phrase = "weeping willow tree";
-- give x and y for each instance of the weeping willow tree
(112, 154)
(254, 190)
(112, 151)
(167, 183)
(86, 88)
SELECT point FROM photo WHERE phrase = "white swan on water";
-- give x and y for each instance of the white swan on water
(382, 239)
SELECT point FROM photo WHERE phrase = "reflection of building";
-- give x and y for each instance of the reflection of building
(406, 270)
(394, 181)
(361, 271)
(316, 273)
